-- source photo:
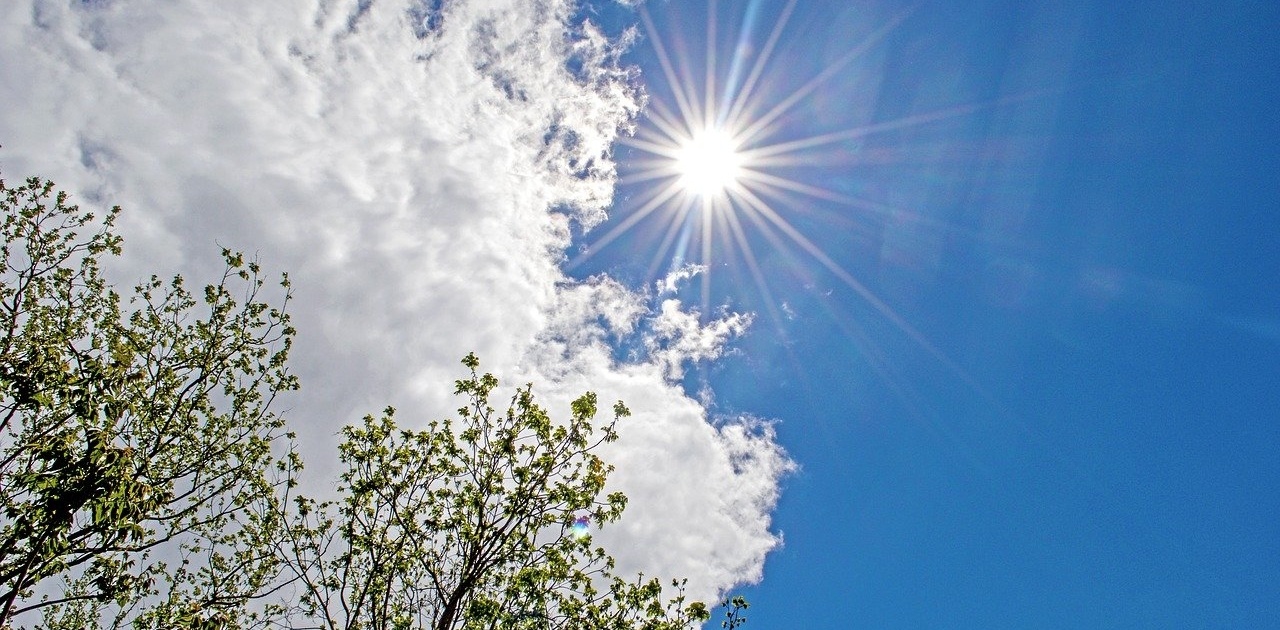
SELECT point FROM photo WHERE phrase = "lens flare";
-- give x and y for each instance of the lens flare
(581, 527)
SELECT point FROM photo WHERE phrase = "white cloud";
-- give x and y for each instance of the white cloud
(672, 281)
(678, 337)
(415, 171)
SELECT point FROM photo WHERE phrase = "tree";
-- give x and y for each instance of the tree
(735, 609)
(472, 525)
(137, 473)
(145, 481)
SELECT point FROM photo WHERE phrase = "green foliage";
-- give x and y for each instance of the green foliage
(137, 474)
(145, 482)
(468, 524)
(735, 612)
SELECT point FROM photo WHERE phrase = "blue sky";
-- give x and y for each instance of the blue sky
(1075, 423)
(1012, 308)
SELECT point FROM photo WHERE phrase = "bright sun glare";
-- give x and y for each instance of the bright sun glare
(708, 163)
(718, 170)
(717, 146)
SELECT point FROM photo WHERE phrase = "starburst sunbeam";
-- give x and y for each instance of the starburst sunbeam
(761, 125)
(715, 154)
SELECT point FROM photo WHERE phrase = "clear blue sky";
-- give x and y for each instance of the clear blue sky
(1075, 421)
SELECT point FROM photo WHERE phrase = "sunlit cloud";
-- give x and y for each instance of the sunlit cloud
(419, 169)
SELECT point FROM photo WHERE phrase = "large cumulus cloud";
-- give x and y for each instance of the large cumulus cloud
(416, 167)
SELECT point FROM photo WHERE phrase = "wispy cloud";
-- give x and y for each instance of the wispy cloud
(416, 169)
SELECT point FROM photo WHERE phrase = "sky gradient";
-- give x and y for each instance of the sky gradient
(1071, 208)
(996, 347)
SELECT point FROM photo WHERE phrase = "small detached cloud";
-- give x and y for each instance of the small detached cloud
(678, 337)
(416, 168)
(670, 283)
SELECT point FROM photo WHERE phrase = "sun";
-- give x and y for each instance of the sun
(719, 174)
(721, 166)
(708, 163)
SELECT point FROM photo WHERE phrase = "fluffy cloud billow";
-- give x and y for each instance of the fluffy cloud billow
(415, 167)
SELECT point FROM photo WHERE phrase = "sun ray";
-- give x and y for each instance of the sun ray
(715, 167)
(793, 146)
(857, 286)
(774, 184)
(668, 240)
(709, 81)
(744, 96)
(672, 130)
(753, 266)
(673, 80)
(755, 128)
(686, 235)
(738, 59)
(707, 217)
(752, 175)
(646, 175)
(656, 201)
(655, 148)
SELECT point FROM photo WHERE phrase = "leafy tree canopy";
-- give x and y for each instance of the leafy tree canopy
(145, 480)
